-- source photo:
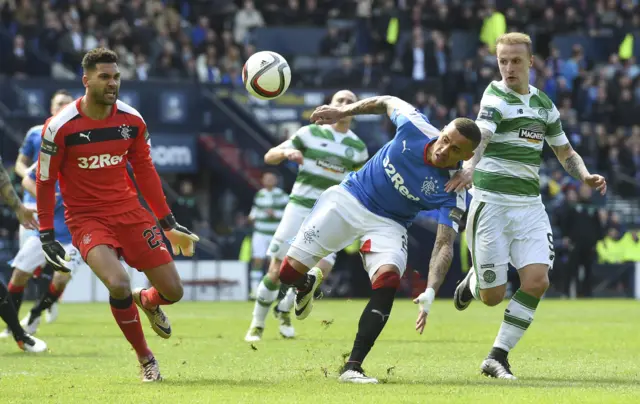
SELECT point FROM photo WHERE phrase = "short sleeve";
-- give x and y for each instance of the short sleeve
(452, 211)
(411, 121)
(490, 115)
(554, 134)
(28, 147)
(297, 141)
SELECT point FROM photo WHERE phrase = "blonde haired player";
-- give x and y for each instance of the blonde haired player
(326, 154)
(507, 221)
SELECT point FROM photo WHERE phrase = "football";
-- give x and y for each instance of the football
(266, 75)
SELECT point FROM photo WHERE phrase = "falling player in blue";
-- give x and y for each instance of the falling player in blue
(376, 205)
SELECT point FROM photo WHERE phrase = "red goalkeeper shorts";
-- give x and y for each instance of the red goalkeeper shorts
(134, 235)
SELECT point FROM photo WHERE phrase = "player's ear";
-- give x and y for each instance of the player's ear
(85, 80)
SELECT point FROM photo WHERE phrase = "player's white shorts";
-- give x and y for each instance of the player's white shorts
(292, 219)
(498, 234)
(260, 244)
(25, 234)
(31, 256)
(337, 220)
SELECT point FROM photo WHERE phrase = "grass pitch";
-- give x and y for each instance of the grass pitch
(574, 352)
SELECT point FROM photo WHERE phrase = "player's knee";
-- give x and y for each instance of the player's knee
(387, 276)
(175, 292)
(290, 270)
(535, 286)
(20, 278)
(60, 280)
(119, 287)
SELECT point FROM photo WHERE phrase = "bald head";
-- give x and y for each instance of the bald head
(343, 97)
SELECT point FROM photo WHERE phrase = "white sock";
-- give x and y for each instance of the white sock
(473, 284)
(266, 294)
(517, 317)
(255, 277)
(286, 304)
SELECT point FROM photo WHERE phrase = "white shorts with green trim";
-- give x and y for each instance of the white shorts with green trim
(498, 235)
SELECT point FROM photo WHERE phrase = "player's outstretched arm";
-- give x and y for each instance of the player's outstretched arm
(383, 104)
(574, 165)
(10, 197)
(441, 258)
(283, 151)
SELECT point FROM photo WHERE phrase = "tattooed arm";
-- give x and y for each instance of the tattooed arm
(574, 165)
(9, 195)
(384, 104)
(441, 256)
(571, 161)
(439, 265)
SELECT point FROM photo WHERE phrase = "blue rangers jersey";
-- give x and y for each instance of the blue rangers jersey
(397, 182)
(31, 148)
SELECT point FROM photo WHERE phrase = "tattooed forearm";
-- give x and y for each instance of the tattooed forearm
(441, 256)
(479, 151)
(375, 106)
(571, 161)
(575, 167)
(8, 194)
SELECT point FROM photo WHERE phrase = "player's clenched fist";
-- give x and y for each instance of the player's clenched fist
(182, 240)
(326, 115)
(294, 155)
(53, 251)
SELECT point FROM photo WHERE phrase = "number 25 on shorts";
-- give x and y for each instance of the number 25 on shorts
(153, 236)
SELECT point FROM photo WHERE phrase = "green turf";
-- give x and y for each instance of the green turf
(574, 352)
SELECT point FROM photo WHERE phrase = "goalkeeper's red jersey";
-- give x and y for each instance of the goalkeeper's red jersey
(89, 158)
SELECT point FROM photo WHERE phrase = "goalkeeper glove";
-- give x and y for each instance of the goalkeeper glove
(54, 252)
(182, 240)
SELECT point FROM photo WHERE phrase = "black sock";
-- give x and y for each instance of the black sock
(46, 301)
(16, 299)
(373, 319)
(498, 354)
(46, 276)
(304, 283)
(8, 313)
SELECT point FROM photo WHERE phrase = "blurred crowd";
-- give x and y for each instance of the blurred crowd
(208, 41)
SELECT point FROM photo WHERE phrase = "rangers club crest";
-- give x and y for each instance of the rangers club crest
(125, 132)
(429, 186)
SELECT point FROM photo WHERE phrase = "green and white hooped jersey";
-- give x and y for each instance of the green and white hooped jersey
(507, 173)
(274, 200)
(328, 157)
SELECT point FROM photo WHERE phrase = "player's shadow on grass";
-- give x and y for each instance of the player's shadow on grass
(529, 382)
(214, 382)
(60, 354)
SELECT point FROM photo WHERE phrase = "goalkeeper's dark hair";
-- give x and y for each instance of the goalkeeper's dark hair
(98, 55)
(468, 129)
